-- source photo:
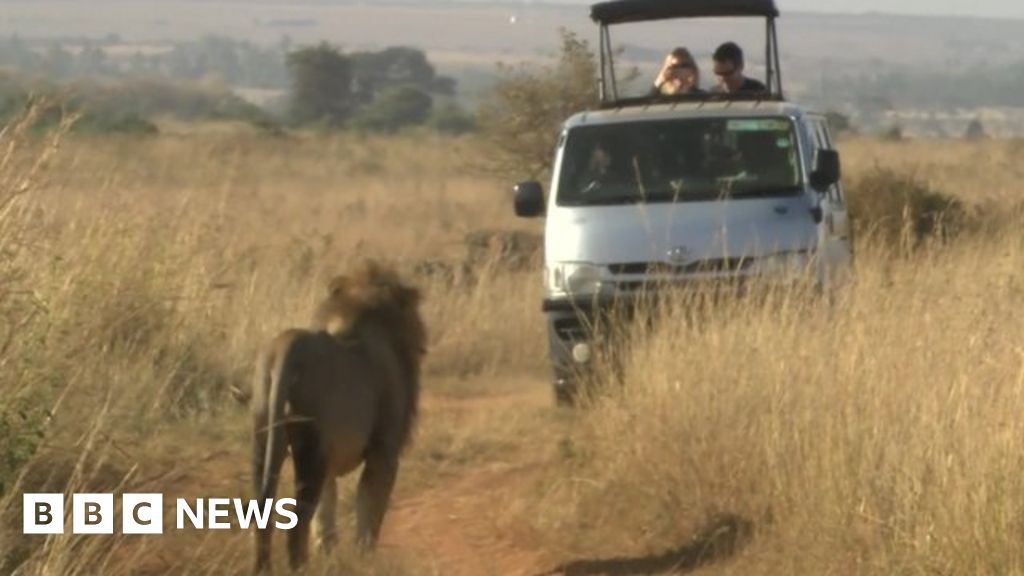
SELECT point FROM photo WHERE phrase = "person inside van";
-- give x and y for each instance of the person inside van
(770, 160)
(729, 69)
(602, 169)
(612, 168)
(679, 74)
(722, 161)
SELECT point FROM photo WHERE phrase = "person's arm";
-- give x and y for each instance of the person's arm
(662, 76)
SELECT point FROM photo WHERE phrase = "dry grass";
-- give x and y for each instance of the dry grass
(160, 266)
(880, 436)
(976, 172)
(877, 437)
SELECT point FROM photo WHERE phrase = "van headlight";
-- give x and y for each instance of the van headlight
(784, 263)
(573, 279)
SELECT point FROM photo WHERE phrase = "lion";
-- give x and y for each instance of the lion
(341, 394)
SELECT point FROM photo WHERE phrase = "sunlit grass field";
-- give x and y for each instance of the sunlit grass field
(878, 434)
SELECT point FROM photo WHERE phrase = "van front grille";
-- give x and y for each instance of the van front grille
(569, 329)
(710, 265)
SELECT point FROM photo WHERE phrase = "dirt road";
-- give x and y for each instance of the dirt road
(479, 445)
(451, 528)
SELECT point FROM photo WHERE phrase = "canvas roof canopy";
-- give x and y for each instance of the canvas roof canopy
(625, 11)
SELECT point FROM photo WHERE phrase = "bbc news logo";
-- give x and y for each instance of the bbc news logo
(144, 513)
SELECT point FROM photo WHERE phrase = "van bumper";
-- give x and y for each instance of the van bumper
(572, 322)
(574, 332)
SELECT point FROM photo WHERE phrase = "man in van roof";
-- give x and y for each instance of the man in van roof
(729, 69)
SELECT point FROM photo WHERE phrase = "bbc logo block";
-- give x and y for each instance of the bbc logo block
(43, 514)
(93, 514)
(144, 513)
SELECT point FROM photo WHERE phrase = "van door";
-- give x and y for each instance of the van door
(837, 238)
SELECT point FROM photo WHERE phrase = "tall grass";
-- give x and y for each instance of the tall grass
(154, 269)
(879, 435)
(139, 277)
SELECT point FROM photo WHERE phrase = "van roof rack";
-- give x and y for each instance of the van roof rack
(607, 14)
(700, 97)
(622, 11)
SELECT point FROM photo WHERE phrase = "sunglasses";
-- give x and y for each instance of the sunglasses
(725, 73)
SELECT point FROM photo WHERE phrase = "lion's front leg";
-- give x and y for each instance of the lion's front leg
(375, 485)
(327, 516)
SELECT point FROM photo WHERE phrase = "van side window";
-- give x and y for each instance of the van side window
(823, 141)
(822, 138)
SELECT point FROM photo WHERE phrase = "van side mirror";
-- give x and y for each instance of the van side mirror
(529, 199)
(826, 171)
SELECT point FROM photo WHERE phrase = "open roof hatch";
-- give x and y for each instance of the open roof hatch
(614, 12)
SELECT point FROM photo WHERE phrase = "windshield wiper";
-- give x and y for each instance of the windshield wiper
(766, 192)
(611, 201)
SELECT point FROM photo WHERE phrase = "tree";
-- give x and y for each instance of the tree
(522, 116)
(839, 122)
(221, 58)
(321, 85)
(975, 130)
(93, 61)
(16, 53)
(394, 109)
(138, 65)
(58, 62)
(893, 134)
(179, 64)
(374, 72)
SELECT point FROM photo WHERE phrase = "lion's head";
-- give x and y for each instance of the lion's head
(374, 293)
(371, 290)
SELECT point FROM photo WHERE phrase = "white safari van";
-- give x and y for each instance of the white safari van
(677, 189)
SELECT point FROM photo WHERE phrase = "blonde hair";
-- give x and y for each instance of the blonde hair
(687, 60)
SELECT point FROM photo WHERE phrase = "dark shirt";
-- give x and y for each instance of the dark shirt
(656, 92)
(749, 85)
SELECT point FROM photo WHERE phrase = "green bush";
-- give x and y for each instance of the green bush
(840, 123)
(145, 99)
(124, 107)
(450, 118)
(93, 123)
(23, 424)
(900, 207)
(394, 109)
(893, 133)
(975, 130)
(23, 401)
(522, 116)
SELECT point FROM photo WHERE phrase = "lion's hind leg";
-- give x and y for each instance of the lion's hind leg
(310, 476)
(265, 474)
(374, 492)
(265, 490)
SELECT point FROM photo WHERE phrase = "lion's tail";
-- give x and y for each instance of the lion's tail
(283, 374)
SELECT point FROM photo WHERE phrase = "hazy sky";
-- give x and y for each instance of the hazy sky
(983, 8)
(998, 8)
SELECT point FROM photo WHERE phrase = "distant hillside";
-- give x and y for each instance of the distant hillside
(513, 28)
(872, 62)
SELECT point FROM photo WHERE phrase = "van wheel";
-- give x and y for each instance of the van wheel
(566, 394)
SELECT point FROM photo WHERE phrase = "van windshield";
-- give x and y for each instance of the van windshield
(679, 161)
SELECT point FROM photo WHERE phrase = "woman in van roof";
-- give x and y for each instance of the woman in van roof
(679, 74)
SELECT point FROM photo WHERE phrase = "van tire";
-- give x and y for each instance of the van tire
(566, 394)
